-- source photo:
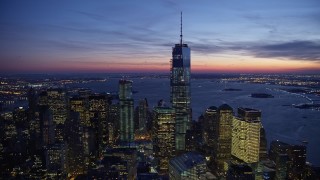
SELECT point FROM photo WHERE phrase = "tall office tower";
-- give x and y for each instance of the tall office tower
(223, 136)
(20, 118)
(246, 135)
(46, 126)
(32, 103)
(89, 144)
(279, 154)
(75, 159)
(55, 161)
(120, 163)
(79, 104)
(57, 101)
(297, 162)
(240, 172)
(194, 136)
(278, 147)
(114, 124)
(180, 90)
(33, 121)
(190, 165)
(164, 136)
(98, 114)
(43, 98)
(85, 93)
(126, 111)
(59, 133)
(38, 169)
(209, 125)
(143, 114)
(263, 145)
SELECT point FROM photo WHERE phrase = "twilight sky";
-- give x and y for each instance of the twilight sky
(134, 36)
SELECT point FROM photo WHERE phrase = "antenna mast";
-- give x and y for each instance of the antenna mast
(181, 30)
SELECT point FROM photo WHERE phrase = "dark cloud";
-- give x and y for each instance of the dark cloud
(206, 48)
(297, 50)
(293, 50)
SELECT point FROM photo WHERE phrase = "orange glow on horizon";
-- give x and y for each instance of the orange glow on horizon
(199, 64)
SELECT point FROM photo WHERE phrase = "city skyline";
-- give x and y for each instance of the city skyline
(224, 36)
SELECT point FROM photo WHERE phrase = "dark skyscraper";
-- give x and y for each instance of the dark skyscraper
(46, 126)
(143, 113)
(210, 125)
(126, 111)
(98, 111)
(180, 90)
(297, 161)
(240, 172)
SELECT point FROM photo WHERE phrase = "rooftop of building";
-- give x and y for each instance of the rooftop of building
(212, 108)
(225, 107)
(124, 81)
(97, 96)
(186, 161)
(77, 97)
(56, 89)
(249, 115)
(163, 109)
(279, 143)
(123, 150)
(240, 168)
(248, 109)
(179, 45)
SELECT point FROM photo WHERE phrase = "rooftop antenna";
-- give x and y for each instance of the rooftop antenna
(181, 30)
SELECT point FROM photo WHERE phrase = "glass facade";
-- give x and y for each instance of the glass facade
(180, 92)
(191, 165)
(126, 111)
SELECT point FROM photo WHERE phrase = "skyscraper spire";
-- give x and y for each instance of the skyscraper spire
(181, 30)
(180, 91)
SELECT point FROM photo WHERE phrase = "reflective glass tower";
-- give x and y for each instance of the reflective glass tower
(180, 90)
(126, 111)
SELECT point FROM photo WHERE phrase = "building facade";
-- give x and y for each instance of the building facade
(180, 90)
(143, 114)
(98, 115)
(246, 135)
(164, 136)
(223, 137)
(126, 111)
(210, 125)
